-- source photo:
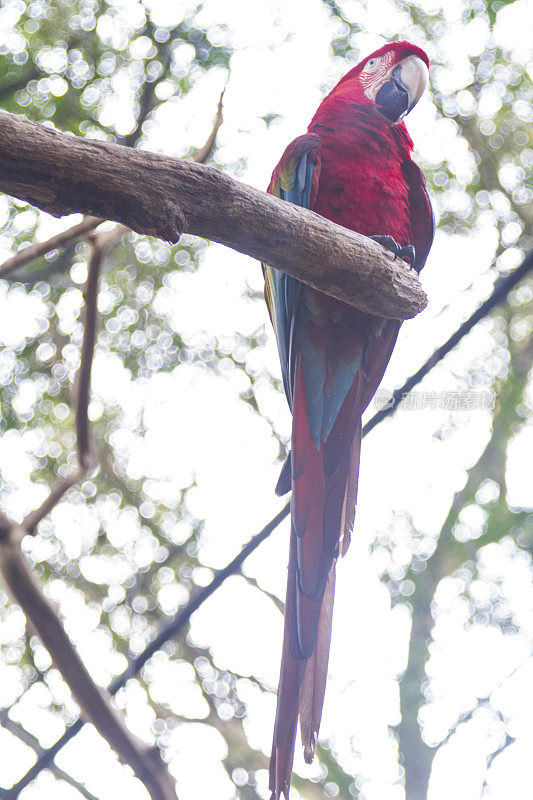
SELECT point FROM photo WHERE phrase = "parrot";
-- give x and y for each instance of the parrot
(354, 167)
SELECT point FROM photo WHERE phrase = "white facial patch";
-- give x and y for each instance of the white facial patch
(377, 71)
(374, 74)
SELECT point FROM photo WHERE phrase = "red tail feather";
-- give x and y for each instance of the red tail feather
(322, 513)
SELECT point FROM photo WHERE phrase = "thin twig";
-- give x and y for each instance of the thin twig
(100, 245)
(28, 738)
(197, 599)
(499, 293)
(29, 254)
(507, 742)
(147, 99)
(484, 701)
(60, 487)
(85, 457)
(201, 155)
(280, 605)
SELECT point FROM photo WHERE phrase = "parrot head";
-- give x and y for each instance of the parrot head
(392, 78)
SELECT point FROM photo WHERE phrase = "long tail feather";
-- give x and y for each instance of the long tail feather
(350, 497)
(322, 509)
(313, 685)
(302, 683)
(288, 691)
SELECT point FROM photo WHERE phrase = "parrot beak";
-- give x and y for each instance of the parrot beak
(402, 88)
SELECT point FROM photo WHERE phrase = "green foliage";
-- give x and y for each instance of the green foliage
(493, 6)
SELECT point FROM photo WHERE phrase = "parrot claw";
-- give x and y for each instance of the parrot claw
(407, 251)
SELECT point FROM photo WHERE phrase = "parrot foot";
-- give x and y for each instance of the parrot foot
(406, 251)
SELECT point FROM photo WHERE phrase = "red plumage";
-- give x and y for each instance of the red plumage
(353, 167)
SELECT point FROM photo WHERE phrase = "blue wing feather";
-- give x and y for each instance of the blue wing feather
(295, 180)
(293, 305)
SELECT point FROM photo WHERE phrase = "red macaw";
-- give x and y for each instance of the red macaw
(354, 167)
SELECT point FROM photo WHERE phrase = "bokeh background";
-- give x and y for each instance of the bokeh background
(430, 690)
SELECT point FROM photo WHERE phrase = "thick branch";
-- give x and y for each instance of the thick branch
(164, 197)
(83, 229)
(97, 708)
(168, 631)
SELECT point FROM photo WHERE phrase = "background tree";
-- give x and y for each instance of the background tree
(185, 470)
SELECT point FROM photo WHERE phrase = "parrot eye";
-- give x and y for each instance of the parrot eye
(372, 65)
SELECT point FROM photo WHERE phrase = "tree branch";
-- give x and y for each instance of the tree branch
(280, 605)
(29, 254)
(82, 229)
(86, 458)
(94, 701)
(100, 244)
(25, 736)
(8, 89)
(448, 556)
(170, 630)
(147, 100)
(57, 491)
(201, 155)
(164, 197)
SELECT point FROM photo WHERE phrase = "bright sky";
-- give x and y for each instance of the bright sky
(196, 426)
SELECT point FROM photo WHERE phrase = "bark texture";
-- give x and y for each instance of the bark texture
(165, 197)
